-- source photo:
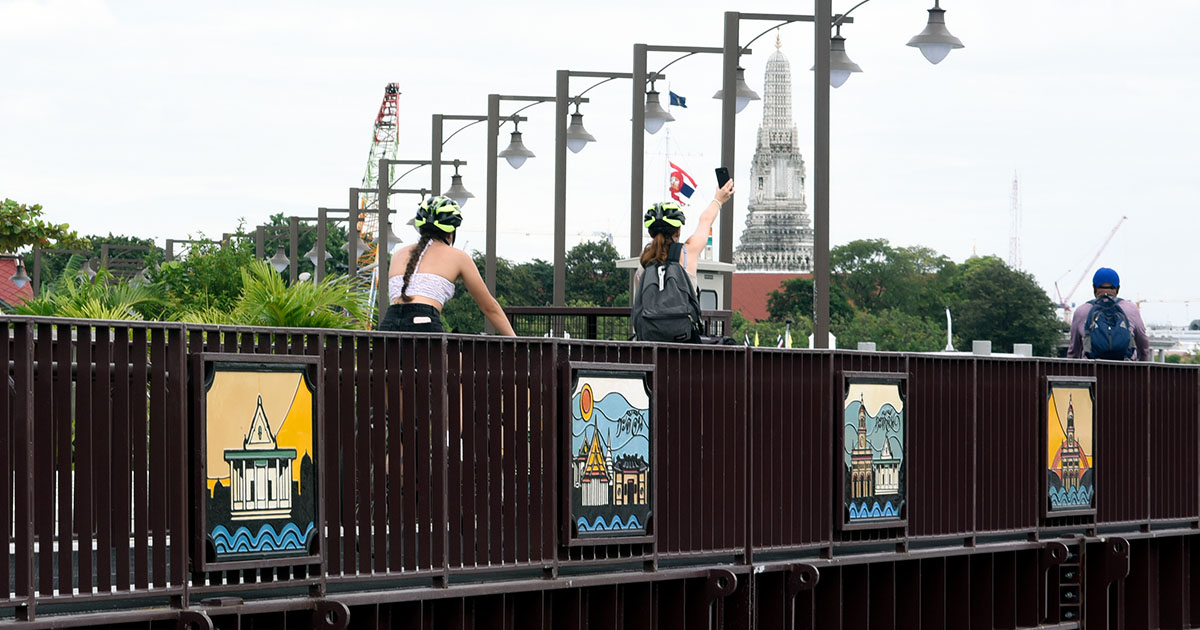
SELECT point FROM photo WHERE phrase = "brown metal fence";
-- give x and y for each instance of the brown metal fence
(442, 460)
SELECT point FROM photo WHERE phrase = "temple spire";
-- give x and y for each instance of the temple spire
(778, 236)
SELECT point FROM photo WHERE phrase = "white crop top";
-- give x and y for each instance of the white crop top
(426, 285)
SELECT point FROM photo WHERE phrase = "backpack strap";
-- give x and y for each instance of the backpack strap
(675, 252)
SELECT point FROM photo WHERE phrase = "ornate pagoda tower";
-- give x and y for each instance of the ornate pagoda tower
(778, 237)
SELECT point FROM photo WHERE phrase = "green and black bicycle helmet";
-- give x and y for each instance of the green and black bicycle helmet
(442, 212)
(664, 218)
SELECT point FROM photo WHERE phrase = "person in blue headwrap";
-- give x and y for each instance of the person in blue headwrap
(1108, 327)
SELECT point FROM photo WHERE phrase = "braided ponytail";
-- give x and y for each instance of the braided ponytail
(417, 252)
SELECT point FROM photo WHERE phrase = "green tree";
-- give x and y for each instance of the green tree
(22, 226)
(1005, 306)
(878, 276)
(794, 298)
(592, 276)
(892, 330)
(208, 276)
(768, 332)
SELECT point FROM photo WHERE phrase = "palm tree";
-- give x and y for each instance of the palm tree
(98, 297)
(266, 300)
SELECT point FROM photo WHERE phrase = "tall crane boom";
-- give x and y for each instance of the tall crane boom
(1062, 299)
(384, 137)
(384, 141)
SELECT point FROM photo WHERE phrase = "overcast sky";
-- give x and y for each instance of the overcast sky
(165, 120)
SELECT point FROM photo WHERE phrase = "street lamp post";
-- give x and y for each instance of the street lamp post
(562, 133)
(934, 42)
(638, 133)
(515, 154)
(439, 140)
(318, 255)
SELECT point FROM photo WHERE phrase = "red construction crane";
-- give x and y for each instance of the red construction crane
(1062, 299)
(384, 137)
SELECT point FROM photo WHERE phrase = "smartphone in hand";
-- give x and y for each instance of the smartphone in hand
(722, 176)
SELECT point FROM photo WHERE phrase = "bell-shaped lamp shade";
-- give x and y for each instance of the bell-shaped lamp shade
(744, 93)
(311, 256)
(304, 276)
(656, 116)
(516, 153)
(280, 260)
(577, 136)
(359, 246)
(139, 279)
(935, 42)
(20, 278)
(393, 240)
(460, 195)
(840, 65)
(90, 267)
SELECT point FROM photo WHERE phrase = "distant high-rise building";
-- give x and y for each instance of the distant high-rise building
(778, 237)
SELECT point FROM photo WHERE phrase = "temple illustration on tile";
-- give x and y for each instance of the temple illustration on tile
(610, 456)
(873, 449)
(1070, 474)
(260, 462)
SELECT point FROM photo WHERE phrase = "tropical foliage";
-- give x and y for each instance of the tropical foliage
(99, 297)
(897, 297)
(266, 300)
(22, 226)
(209, 277)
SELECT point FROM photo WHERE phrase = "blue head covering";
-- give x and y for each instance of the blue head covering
(1104, 275)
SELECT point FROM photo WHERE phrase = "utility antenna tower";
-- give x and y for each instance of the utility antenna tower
(1014, 240)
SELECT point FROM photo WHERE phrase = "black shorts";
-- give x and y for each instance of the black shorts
(412, 318)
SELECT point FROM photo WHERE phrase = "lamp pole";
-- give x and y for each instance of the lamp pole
(493, 131)
(821, 27)
(731, 53)
(637, 159)
(935, 42)
(562, 103)
(323, 220)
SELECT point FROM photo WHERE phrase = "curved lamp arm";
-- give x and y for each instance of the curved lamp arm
(655, 75)
(470, 124)
(405, 173)
(837, 21)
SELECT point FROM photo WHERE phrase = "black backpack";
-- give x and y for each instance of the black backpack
(1107, 334)
(666, 307)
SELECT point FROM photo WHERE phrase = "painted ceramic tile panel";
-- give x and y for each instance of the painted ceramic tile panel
(260, 465)
(873, 452)
(610, 455)
(1069, 455)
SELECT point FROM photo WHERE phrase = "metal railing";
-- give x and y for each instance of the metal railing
(745, 453)
(609, 323)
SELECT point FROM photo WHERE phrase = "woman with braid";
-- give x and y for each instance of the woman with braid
(421, 276)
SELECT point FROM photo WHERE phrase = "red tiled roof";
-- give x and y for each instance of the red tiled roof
(9, 291)
(750, 291)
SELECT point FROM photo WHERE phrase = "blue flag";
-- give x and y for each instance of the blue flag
(677, 100)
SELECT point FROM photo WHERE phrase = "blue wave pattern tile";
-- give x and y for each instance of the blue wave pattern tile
(872, 511)
(616, 524)
(242, 541)
(1080, 496)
